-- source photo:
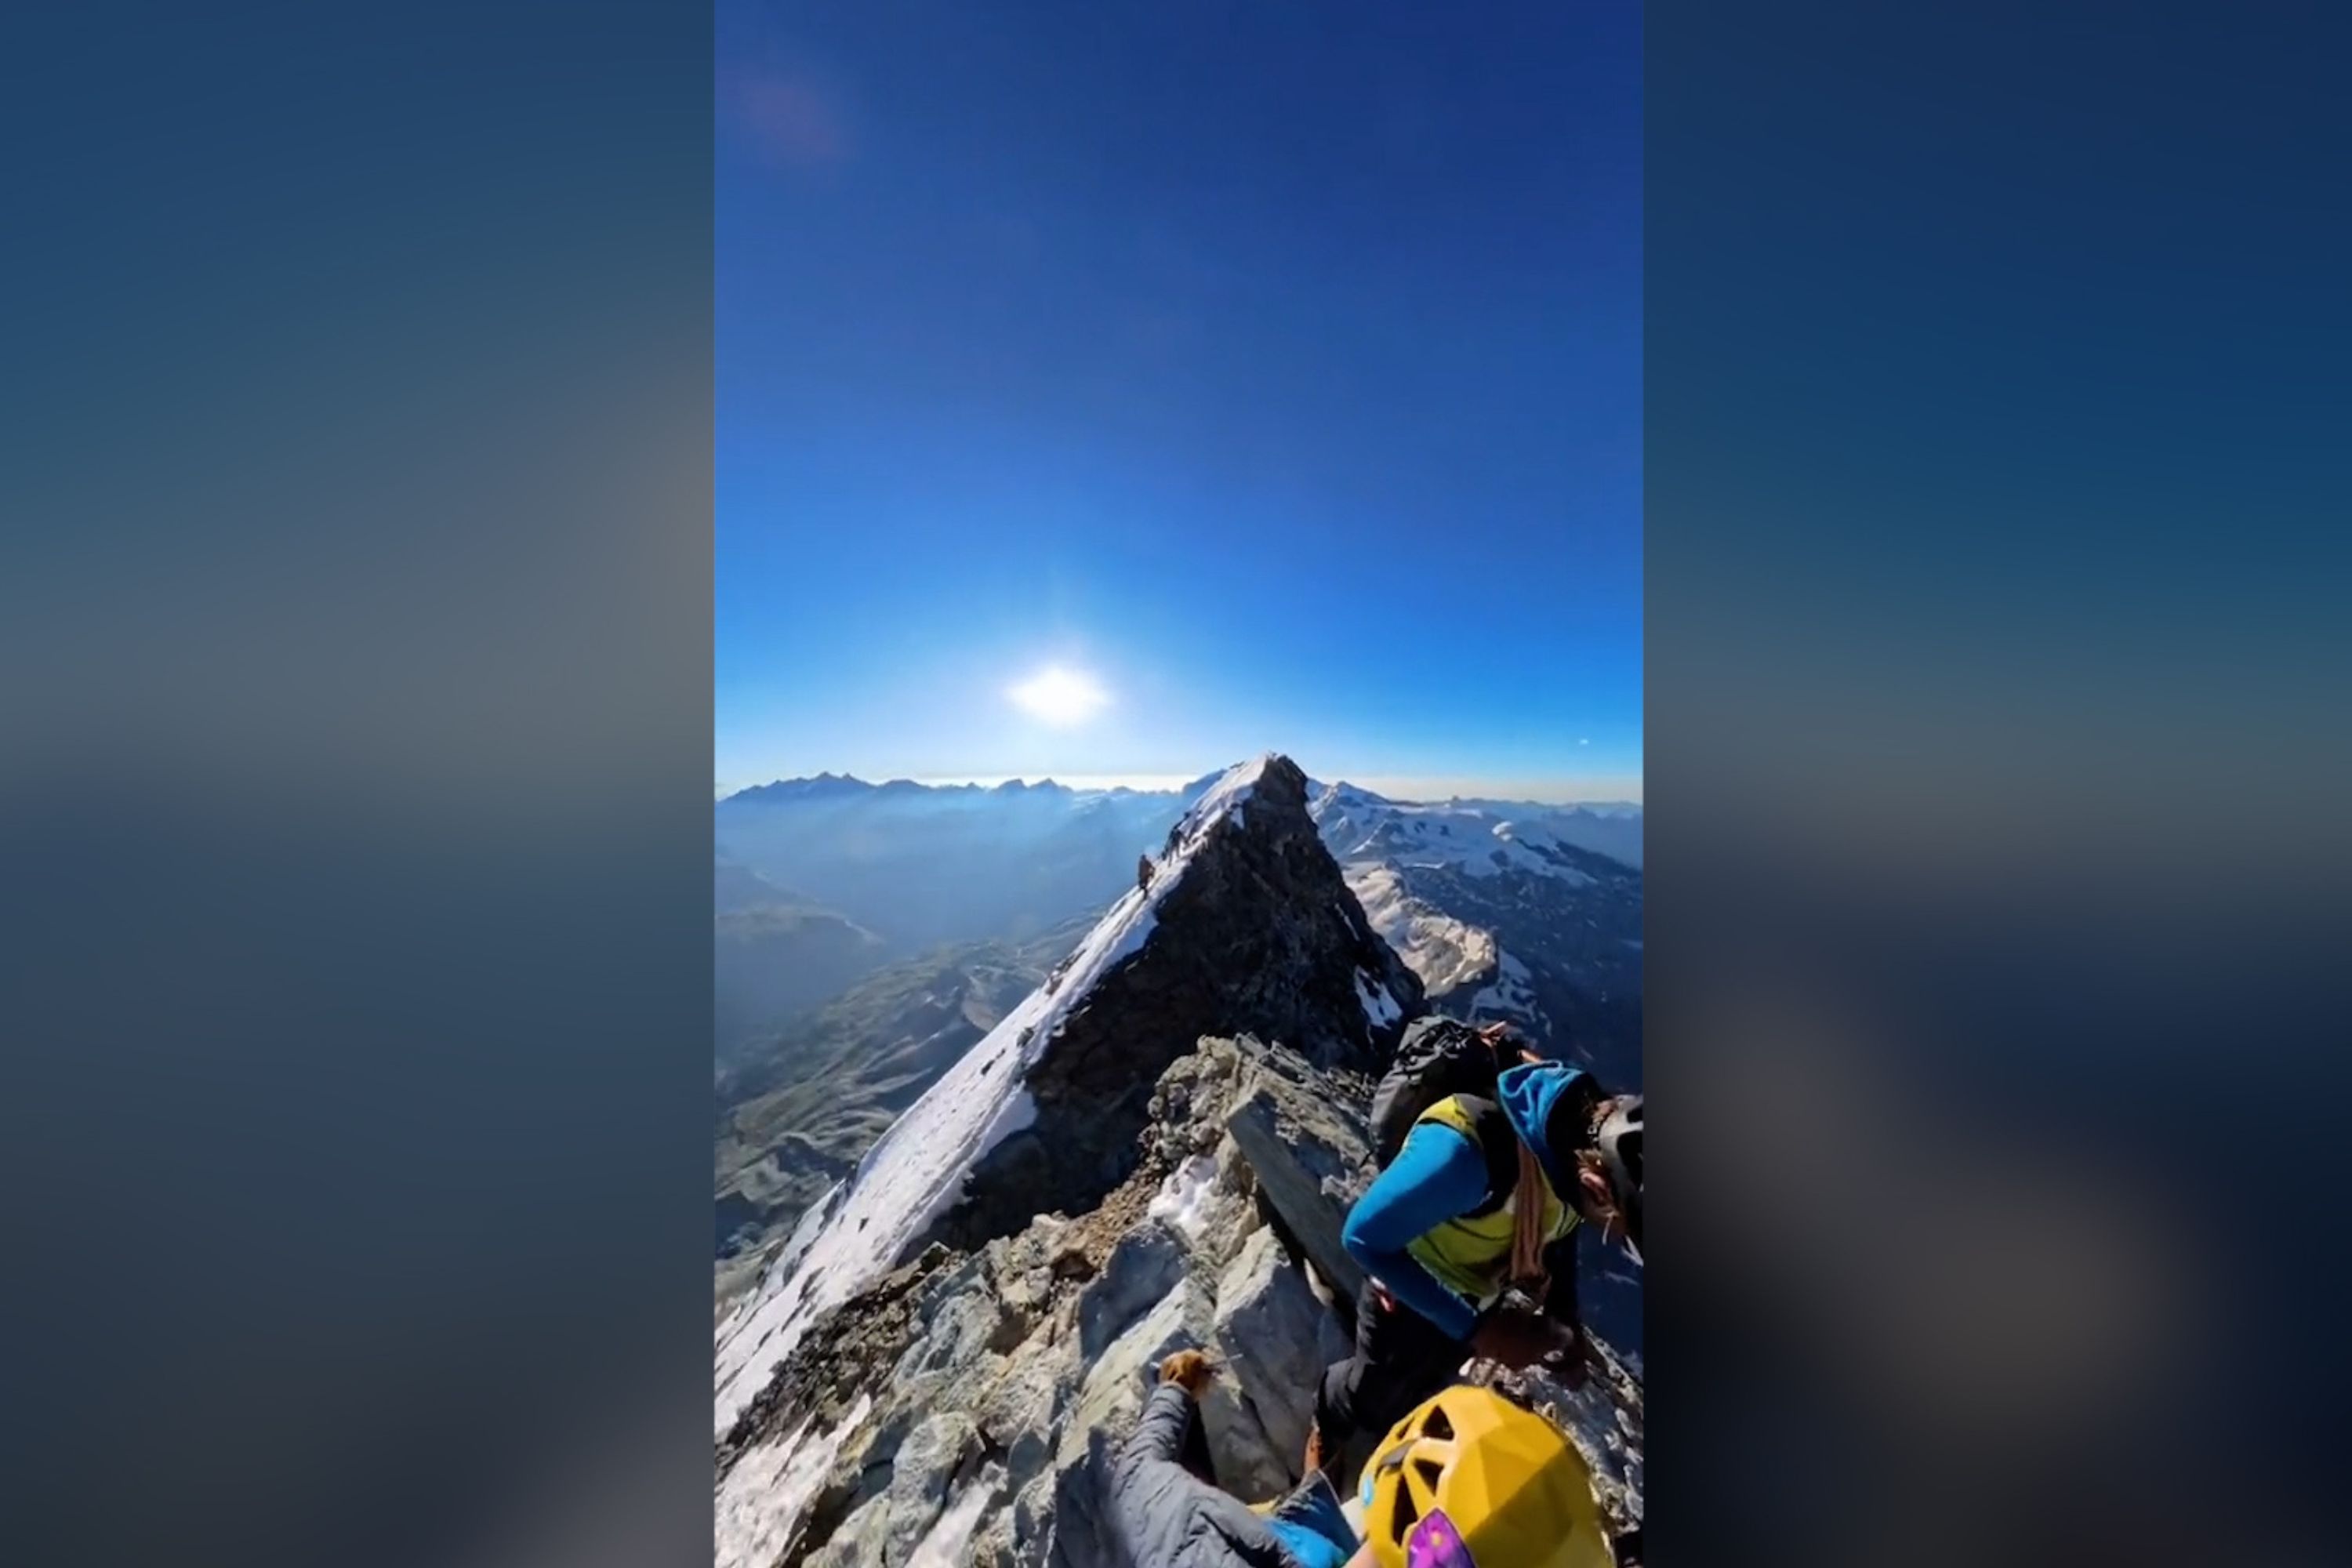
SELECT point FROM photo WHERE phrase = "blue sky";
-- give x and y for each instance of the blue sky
(1272, 371)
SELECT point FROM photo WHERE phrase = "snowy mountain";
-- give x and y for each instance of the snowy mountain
(1499, 908)
(1155, 1148)
(918, 866)
(1244, 923)
(799, 1113)
(1506, 911)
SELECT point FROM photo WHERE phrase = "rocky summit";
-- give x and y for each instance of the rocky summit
(1256, 932)
(1158, 1153)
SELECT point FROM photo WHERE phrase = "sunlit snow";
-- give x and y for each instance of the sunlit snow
(1182, 1198)
(763, 1495)
(915, 1171)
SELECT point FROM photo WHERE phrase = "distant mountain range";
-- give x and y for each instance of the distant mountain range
(924, 864)
(869, 934)
(1154, 1146)
(921, 865)
(1506, 911)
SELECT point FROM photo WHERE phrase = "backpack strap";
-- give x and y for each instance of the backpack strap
(1484, 1123)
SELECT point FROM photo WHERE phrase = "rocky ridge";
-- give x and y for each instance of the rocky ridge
(1255, 929)
(1243, 923)
(966, 1405)
(954, 1342)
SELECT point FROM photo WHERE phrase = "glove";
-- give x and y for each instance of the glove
(1517, 1338)
(1189, 1370)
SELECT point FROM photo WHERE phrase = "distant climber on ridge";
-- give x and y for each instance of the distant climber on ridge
(1487, 1171)
(1167, 1516)
(1143, 872)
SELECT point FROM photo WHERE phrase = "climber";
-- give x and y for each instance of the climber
(1481, 1202)
(1167, 1516)
(1469, 1478)
(1143, 872)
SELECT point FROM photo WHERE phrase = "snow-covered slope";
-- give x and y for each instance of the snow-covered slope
(1480, 837)
(1505, 909)
(917, 1171)
(1447, 953)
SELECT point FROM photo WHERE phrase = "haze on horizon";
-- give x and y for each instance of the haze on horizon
(1592, 791)
(1067, 430)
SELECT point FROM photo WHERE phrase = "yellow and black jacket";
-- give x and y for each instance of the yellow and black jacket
(1436, 1227)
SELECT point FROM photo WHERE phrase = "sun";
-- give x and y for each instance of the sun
(1063, 698)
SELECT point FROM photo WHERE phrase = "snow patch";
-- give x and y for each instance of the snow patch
(1381, 1009)
(1445, 952)
(1510, 991)
(1478, 837)
(944, 1546)
(1224, 798)
(769, 1486)
(915, 1173)
(1183, 1196)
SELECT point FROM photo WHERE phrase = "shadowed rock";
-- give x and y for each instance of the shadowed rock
(1257, 934)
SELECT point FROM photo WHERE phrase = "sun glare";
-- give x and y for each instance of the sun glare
(1061, 697)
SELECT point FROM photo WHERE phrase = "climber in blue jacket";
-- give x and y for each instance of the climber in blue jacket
(1484, 1198)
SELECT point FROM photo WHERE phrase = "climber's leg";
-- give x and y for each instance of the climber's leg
(1401, 1359)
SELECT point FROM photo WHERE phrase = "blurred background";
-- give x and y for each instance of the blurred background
(355, 616)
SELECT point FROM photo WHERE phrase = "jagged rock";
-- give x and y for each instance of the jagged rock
(1073, 1516)
(1019, 1414)
(1247, 1463)
(1117, 1384)
(1047, 1397)
(1117, 1380)
(928, 1464)
(1270, 1335)
(1256, 932)
(1309, 1157)
(961, 1329)
(1145, 1264)
(858, 1542)
(1033, 1516)
(963, 1535)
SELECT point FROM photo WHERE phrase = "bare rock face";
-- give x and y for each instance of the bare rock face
(1258, 935)
(1275, 1337)
(1312, 1158)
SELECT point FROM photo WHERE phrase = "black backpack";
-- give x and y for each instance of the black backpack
(1436, 1057)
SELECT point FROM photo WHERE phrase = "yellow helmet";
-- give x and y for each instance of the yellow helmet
(1512, 1488)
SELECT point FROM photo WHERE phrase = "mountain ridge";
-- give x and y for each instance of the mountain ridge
(1615, 826)
(1245, 922)
(1546, 936)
